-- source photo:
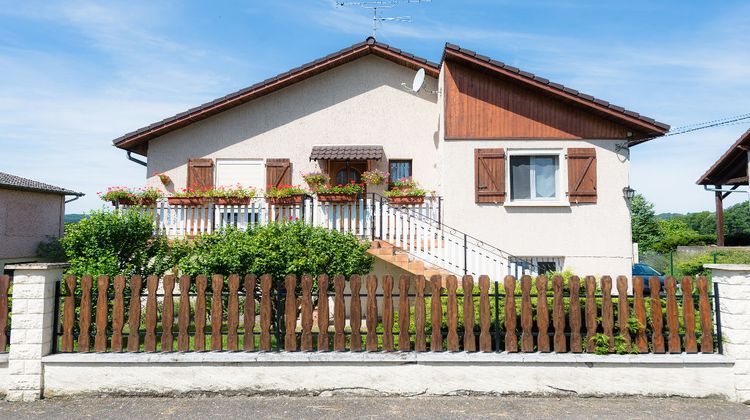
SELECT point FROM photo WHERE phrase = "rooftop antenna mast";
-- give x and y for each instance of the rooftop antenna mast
(383, 4)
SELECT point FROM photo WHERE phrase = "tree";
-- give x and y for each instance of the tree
(675, 232)
(645, 226)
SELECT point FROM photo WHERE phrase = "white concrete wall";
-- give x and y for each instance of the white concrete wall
(3, 374)
(361, 102)
(595, 239)
(26, 219)
(389, 373)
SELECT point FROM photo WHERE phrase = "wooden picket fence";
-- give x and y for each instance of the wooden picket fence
(260, 314)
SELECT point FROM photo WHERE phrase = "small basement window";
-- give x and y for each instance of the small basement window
(534, 177)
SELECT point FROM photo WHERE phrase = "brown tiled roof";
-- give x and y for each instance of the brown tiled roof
(353, 152)
(649, 126)
(14, 182)
(731, 168)
(135, 141)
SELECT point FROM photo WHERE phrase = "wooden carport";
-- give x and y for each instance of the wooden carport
(725, 176)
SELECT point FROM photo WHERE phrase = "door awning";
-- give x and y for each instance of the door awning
(357, 152)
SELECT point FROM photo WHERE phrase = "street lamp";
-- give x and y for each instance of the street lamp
(628, 193)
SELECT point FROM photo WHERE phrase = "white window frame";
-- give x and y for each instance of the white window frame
(230, 161)
(561, 174)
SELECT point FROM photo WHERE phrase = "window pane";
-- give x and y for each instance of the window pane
(520, 177)
(544, 176)
(400, 169)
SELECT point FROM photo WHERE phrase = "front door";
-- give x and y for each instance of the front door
(346, 171)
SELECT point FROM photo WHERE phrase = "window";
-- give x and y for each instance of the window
(342, 177)
(534, 177)
(399, 169)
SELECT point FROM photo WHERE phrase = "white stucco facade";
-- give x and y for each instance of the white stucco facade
(363, 102)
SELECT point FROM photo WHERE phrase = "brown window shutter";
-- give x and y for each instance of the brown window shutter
(278, 172)
(489, 175)
(582, 175)
(200, 174)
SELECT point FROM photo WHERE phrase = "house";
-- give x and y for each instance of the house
(725, 176)
(31, 212)
(528, 174)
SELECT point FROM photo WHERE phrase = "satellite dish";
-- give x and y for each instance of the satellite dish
(418, 81)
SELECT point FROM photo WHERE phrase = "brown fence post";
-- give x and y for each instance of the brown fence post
(608, 317)
(591, 312)
(84, 337)
(527, 316)
(688, 314)
(306, 314)
(149, 342)
(217, 311)
(420, 341)
(451, 314)
(511, 340)
(233, 313)
(542, 314)
(404, 316)
(387, 313)
(673, 323)
(248, 337)
(639, 308)
(201, 284)
(69, 312)
(558, 315)
(339, 340)
(371, 340)
(436, 313)
(290, 313)
(657, 322)
(134, 314)
(323, 314)
(707, 342)
(167, 314)
(470, 342)
(485, 340)
(183, 315)
(576, 342)
(623, 309)
(355, 313)
(118, 314)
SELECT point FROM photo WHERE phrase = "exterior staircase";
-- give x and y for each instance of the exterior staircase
(402, 259)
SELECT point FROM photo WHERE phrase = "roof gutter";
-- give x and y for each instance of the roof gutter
(138, 161)
(75, 197)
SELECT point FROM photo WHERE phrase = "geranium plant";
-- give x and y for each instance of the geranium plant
(121, 195)
(237, 191)
(193, 193)
(348, 189)
(374, 177)
(149, 195)
(405, 187)
(316, 179)
(283, 191)
(165, 179)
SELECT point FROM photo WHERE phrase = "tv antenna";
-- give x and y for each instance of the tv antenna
(377, 5)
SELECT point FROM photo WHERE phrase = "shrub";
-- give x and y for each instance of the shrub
(119, 242)
(277, 249)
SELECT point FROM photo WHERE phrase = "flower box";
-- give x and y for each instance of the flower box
(147, 202)
(406, 199)
(232, 201)
(186, 201)
(337, 198)
(286, 201)
(124, 202)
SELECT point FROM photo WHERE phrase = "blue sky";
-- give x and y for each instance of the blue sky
(76, 74)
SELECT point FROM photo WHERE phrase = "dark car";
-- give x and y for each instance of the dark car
(646, 271)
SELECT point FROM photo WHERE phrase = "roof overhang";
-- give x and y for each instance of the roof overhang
(349, 152)
(731, 167)
(137, 141)
(644, 128)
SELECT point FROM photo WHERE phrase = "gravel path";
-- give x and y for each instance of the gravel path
(372, 407)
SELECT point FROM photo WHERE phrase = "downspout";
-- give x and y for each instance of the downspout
(138, 161)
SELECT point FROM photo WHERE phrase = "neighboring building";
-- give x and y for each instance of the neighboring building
(31, 212)
(523, 166)
(725, 176)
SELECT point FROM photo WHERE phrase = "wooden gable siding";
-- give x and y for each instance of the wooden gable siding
(482, 106)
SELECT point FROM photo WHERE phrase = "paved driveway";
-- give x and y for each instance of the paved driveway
(372, 407)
